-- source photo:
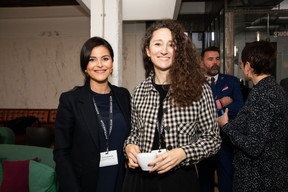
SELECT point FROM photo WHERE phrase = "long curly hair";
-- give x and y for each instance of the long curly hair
(186, 73)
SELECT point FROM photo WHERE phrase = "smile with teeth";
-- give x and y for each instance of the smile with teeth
(163, 58)
(100, 70)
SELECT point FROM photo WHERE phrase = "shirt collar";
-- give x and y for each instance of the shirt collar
(215, 77)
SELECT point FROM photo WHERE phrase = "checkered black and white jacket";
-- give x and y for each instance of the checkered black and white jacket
(194, 128)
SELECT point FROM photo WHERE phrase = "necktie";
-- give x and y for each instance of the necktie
(213, 86)
(212, 82)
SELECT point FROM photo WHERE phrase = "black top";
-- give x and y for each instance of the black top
(163, 90)
(77, 145)
(110, 178)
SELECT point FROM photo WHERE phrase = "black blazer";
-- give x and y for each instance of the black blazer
(76, 150)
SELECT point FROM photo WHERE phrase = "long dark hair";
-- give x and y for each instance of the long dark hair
(186, 74)
(86, 50)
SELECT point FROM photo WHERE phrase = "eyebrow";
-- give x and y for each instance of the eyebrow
(156, 40)
(101, 56)
(161, 40)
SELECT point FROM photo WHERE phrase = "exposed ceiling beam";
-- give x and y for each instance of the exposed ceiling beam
(192, 8)
(85, 4)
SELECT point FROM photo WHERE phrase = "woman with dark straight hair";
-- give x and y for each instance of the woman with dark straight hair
(91, 125)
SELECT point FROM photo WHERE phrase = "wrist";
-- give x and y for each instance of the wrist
(222, 105)
(182, 153)
(219, 105)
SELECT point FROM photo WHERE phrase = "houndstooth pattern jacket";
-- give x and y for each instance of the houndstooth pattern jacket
(194, 128)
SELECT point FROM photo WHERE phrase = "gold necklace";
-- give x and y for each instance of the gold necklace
(163, 83)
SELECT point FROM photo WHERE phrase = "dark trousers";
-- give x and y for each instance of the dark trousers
(225, 169)
(206, 169)
(222, 162)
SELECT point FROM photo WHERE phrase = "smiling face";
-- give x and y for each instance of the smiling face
(100, 65)
(211, 62)
(161, 49)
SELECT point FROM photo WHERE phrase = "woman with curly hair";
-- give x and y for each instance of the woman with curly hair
(172, 114)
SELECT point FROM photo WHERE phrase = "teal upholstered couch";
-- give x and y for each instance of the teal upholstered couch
(41, 172)
(7, 136)
(46, 118)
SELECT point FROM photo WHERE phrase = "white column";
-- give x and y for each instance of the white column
(106, 22)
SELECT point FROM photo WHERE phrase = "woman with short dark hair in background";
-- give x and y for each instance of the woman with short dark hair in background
(91, 125)
(260, 130)
(172, 114)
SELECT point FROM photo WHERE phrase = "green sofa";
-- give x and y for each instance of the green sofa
(7, 136)
(41, 172)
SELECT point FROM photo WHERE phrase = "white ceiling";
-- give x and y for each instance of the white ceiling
(150, 9)
(134, 10)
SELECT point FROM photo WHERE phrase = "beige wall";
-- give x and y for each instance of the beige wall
(133, 70)
(39, 51)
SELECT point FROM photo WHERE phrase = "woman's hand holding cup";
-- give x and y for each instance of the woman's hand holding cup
(144, 159)
(166, 161)
(132, 150)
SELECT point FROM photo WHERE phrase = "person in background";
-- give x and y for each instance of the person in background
(260, 129)
(245, 89)
(92, 123)
(172, 114)
(227, 94)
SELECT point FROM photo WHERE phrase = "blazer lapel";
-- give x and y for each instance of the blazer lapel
(123, 103)
(218, 87)
(89, 114)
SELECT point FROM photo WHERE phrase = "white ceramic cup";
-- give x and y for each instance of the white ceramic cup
(144, 159)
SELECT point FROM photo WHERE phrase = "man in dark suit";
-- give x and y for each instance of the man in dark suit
(227, 94)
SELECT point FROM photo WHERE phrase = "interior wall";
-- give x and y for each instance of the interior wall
(133, 70)
(282, 53)
(40, 55)
(39, 51)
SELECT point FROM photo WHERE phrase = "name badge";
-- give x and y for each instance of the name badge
(108, 159)
(159, 151)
